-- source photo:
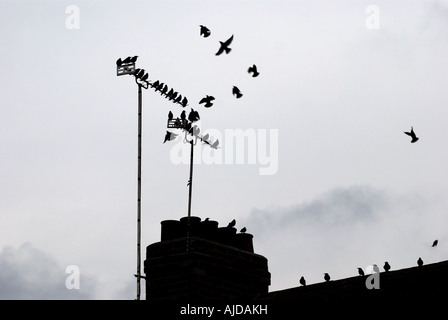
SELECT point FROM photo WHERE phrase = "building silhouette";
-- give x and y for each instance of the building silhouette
(204, 262)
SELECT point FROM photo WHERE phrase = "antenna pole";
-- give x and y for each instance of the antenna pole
(139, 188)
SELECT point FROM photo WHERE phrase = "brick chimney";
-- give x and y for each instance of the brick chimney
(207, 263)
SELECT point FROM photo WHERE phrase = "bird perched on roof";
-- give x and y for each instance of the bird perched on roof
(326, 277)
(419, 262)
(207, 100)
(386, 266)
(434, 244)
(243, 230)
(302, 281)
(360, 272)
(170, 136)
(254, 71)
(236, 92)
(412, 135)
(205, 32)
(231, 224)
(225, 46)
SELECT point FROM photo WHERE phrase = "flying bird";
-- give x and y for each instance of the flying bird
(386, 266)
(169, 136)
(119, 62)
(326, 277)
(205, 32)
(412, 135)
(231, 224)
(225, 46)
(302, 281)
(207, 100)
(243, 230)
(236, 92)
(434, 244)
(419, 262)
(254, 71)
(360, 272)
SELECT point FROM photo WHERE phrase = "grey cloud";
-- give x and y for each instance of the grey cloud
(27, 273)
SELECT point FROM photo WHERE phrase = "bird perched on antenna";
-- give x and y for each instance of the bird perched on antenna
(302, 281)
(254, 71)
(214, 145)
(119, 62)
(127, 60)
(193, 116)
(434, 244)
(133, 59)
(205, 32)
(412, 135)
(170, 115)
(236, 92)
(225, 46)
(207, 100)
(169, 136)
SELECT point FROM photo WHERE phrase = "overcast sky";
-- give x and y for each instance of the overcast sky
(327, 180)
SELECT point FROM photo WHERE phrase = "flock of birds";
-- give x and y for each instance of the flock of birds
(206, 101)
(361, 273)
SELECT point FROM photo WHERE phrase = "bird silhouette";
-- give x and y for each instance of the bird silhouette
(231, 224)
(184, 102)
(360, 272)
(302, 281)
(243, 230)
(170, 115)
(119, 62)
(155, 84)
(326, 277)
(205, 32)
(207, 100)
(145, 77)
(133, 59)
(412, 135)
(169, 136)
(193, 116)
(127, 60)
(140, 73)
(419, 262)
(225, 46)
(386, 266)
(434, 244)
(254, 71)
(183, 115)
(236, 92)
(178, 99)
(214, 145)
